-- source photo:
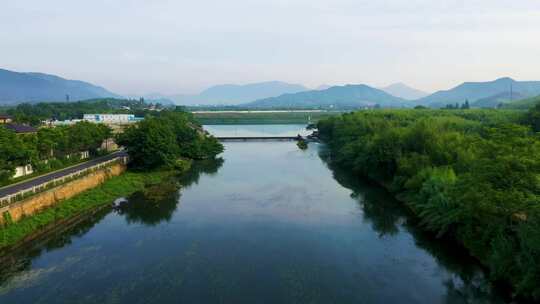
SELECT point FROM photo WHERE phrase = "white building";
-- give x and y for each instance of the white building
(62, 122)
(23, 171)
(111, 118)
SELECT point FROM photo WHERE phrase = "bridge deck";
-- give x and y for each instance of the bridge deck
(257, 138)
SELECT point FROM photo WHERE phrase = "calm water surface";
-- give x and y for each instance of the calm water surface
(267, 224)
(257, 130)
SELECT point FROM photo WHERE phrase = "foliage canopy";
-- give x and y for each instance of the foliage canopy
(163, 139)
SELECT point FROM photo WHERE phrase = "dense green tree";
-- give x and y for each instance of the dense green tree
(49, 148)
(162, 139)
(48, 142)
(150, 144)
(86, 136)
(533, 118)
(13, 153)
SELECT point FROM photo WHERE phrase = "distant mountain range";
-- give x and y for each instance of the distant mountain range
(403, 91)
(488, 94)
(233, 94)
(348, 96)
(474, 91)
(16, 87)
(323, 87)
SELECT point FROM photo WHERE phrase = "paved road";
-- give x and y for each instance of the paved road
(48, 177)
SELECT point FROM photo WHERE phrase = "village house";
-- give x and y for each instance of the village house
(5, 119)
(23, 171)
(21, 129)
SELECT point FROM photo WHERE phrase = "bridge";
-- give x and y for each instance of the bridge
(258, 138)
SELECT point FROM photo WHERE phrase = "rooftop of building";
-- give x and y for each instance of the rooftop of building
(18, 128)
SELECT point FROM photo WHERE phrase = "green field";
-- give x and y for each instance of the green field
(269, 117)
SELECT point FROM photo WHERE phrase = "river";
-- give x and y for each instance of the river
(267, 224)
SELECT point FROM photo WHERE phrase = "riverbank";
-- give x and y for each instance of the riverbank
(118, 186)
(468, 175)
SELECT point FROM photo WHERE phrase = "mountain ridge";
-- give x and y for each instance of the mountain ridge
(230, 94)
(474, 91)
(18, 87)
(347, 96)
(399, 89)
(496, 100)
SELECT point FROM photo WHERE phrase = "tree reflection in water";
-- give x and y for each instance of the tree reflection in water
(155, 204)
(388, 217)
(152, 206)
(466, 283)
(16, 261)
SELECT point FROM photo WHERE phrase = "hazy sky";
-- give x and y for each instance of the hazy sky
(142, 46)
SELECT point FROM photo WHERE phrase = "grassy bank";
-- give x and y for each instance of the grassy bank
(224, 118)
(119, 186)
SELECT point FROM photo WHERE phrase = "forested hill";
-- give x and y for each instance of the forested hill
(496, 101)
(18, 87)
(348, 96)
(474, 91)
(523, 104)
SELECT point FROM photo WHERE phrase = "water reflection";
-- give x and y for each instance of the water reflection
(157, 203)
(202, 167)
(20, 260)
(145, 208)
(270, 226)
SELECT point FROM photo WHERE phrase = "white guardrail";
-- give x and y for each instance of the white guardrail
(22, 194)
